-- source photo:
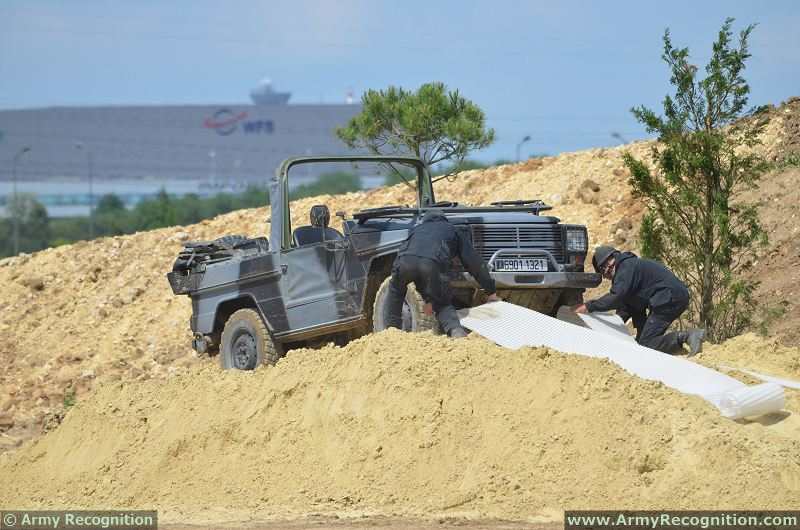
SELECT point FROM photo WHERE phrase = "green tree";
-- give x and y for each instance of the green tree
(111, 217)
(698, 220)
(253, 197)
(156, 213)
(33, 224)
(432, 124)
(37, 231)
(398, 175)
(109, 203)
(333, 183)
(190, 209)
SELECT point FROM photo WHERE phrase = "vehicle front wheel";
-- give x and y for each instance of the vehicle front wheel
(246, 342)
(414, 317)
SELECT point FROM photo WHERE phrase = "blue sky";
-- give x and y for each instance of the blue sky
(565, 73)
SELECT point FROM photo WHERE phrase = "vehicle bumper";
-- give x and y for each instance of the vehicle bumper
(536, 280)
(547, 280)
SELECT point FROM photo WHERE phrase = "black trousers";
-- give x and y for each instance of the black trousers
(650, 328)
(426, 274)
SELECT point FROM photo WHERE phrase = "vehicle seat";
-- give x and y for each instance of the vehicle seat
(319, 230)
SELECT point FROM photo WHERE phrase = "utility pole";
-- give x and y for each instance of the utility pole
(519, 145)
(17, 156)
(213, 156)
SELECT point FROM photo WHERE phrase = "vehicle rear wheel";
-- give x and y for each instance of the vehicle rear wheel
(246, 342)
(414, 317)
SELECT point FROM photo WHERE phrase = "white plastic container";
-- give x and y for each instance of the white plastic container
(752, 401)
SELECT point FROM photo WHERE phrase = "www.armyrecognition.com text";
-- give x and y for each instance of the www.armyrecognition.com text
(715, 519)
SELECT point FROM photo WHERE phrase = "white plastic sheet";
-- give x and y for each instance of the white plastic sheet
(752, 400)
(787, 383)
(513, 326)
(606, 322)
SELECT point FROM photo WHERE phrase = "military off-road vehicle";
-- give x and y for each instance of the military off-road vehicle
(254, 298)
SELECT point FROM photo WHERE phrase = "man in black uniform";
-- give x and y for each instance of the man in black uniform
(648, 292)
(424, 259)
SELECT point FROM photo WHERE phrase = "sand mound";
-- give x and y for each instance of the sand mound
(403, 424)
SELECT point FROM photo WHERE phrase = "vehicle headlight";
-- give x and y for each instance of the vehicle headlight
(577, 240)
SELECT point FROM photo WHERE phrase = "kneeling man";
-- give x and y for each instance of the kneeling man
(648, 292)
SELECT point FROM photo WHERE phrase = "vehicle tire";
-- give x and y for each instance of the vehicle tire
(414, 317)
(230, 241)
(246, 342)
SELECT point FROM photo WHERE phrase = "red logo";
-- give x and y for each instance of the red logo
(224, 121)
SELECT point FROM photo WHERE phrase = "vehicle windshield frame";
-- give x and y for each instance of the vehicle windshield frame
(279, 187)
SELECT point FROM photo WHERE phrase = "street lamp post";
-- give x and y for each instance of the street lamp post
(17, 156)
(90, 166)
(213, 156)
(519, 145)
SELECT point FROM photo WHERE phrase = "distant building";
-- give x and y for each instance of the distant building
(264, 94)
(222, 143)
(218, 146)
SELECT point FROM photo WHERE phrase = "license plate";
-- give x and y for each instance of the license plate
(520, 265)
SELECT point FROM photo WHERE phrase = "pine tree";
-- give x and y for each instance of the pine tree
(432, 124)
(701, 219)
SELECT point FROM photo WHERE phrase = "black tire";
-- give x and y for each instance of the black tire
(246, 342)
(414, 317)
(230, 241)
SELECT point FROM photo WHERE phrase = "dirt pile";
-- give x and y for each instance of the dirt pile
(97, 312)
(404, 424)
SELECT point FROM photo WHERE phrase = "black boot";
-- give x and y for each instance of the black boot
(458, 333)
(694, 339)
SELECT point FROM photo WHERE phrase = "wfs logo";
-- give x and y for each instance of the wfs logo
(225, 122)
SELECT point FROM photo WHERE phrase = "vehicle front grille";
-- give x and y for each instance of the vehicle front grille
(488, 239)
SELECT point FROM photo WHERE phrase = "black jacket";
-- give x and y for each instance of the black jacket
(436, 239)
(640, 284)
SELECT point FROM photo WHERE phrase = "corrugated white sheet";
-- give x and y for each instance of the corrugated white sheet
(788, 383)
(513, 326)
(610, 324)
(607, 322)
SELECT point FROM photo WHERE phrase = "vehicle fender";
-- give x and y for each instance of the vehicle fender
(213, 321)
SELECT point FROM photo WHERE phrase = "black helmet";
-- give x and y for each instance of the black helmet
(601, 255)
(320, 216)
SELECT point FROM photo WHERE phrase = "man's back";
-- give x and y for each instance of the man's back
(438, 240)
(434, 238)
(644, 282)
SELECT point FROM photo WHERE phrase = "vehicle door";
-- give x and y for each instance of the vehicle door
(321, 282)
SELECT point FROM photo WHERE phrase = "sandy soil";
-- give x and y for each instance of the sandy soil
(410, 425)
(374, 523)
